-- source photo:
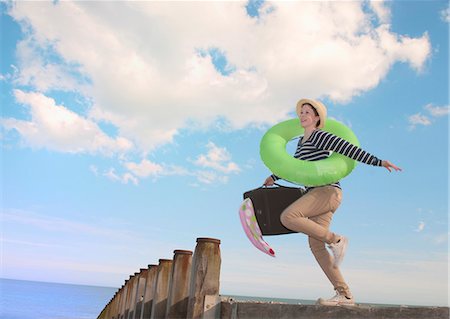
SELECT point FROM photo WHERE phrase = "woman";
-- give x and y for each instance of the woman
(311, 214)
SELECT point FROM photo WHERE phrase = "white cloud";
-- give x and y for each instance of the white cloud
(144, 168)
(140, 62)
(57, 128)
(435, 111)
(420, 227)
(381, 9)
(217, 158)
(418, 119)
(210, 177)
(43, 74)
(445, 15)
(124, 179)
(216, 166)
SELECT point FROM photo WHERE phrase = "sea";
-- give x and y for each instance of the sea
(21, 299)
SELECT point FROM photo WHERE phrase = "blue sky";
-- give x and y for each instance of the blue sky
(130, 129)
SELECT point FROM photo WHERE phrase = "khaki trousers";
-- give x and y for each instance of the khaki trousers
(311, 214)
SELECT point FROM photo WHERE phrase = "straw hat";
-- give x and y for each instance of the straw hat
(320, 108)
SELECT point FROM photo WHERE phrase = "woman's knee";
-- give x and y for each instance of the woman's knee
(287, 217)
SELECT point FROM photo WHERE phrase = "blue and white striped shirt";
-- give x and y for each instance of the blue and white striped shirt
(321, 144)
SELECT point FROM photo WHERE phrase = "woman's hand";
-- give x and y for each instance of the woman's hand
(269, 181)
(389, 166)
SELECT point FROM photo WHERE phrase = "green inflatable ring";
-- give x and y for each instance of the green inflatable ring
(309, 173)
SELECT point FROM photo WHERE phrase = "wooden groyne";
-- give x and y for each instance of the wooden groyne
(187, 287)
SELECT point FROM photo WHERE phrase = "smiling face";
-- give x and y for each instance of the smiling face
(309, 118)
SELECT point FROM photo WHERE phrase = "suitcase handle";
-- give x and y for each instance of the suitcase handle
(281, 186)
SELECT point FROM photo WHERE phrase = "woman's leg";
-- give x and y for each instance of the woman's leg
(299, 215)
(324, 258)
(312, 214)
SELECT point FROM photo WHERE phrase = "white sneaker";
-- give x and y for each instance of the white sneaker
(338, 249)
(337, 300)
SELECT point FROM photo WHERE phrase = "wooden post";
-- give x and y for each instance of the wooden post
(129, 296)
(116, 312)
(113, 312)
(133, 293)
(118, 302)
(103, 314)
(177, 300)
(123, 302)
(205, 279)
(108, 310)
(161, 289)
(140, 290)
(111, 307)
(148, 294)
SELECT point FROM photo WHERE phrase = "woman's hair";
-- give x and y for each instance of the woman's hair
(315, 112)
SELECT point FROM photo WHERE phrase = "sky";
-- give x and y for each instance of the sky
(129, 129)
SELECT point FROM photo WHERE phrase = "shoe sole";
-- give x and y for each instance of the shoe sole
(336, 304)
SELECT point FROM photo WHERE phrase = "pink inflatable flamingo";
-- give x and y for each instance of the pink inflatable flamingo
(251, 227)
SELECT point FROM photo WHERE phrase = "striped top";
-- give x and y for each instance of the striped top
(321, 144)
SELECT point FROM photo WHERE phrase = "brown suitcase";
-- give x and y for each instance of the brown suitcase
(269, 203)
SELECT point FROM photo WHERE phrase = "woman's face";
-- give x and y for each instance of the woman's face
(308, 117)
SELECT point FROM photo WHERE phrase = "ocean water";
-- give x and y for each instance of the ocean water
(40, 300)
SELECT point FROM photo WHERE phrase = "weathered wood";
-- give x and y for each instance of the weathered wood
(205, 275)
(107, 310)
(129, 296)
(114, 305)
(149, 290)
(211, 308)
(110, 310)
(103, 314)
(119, 302)
(133, 292)
(177, 301)
(123, 303)
(139, 294)
(173, 289)
(161, 289)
